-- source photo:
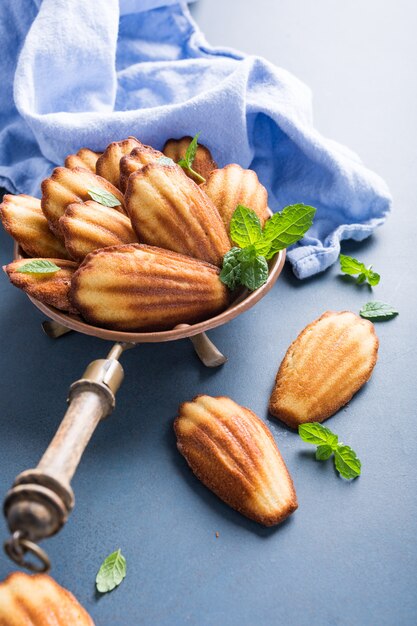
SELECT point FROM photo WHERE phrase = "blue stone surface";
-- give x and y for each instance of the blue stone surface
(347, 557)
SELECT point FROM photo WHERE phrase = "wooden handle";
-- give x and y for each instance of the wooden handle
(41, 499)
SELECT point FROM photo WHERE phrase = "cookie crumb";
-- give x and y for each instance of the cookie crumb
(217, 535)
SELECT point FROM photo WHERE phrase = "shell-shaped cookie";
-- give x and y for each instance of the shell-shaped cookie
(108, 165)
(169, 210)
(50, 289)
(139, 287)
(232, 185)
(38, 600)
(203, 162)
(84, 158)
(140, 156)
(323, 368)
(24, 220)
(234, 454)
(67, 186)
(87, 226)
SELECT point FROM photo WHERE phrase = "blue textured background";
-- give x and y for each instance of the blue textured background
(348, 555)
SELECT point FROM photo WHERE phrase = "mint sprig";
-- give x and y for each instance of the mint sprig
(346, 462)
(377, 311)
(38, 266)
(352, 266)
(111, 572)
(104, 197)
(187, 162)
(247, 264)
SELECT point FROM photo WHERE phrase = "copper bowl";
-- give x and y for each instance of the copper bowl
(243, 302)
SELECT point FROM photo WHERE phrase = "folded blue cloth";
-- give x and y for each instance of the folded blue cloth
(77, 73)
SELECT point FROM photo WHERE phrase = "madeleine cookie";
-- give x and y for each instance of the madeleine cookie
(87, 226)
(323, 368)
(232, 185)
(234, 454)
(169, 210)
(203, 162)
(38, 600)
(108, 165)
(140, 156)
(66, 186)
(137, 287)
(50, 289)
(85, 158)
(24, 220)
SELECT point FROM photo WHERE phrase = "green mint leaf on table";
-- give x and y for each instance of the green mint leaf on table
(247, 264)
(245, 227)
(315, 433)
(104, 197)
(345, 459)
(164, 160)
(230, 274)
(39, 266)
(111, 572)
(287, 227)
(352, 266)
(346, 462)
(187, 162)
(376, 311)
(324, 452)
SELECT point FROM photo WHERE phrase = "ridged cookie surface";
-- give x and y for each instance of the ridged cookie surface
(203, 163)
(169, 210)
(108, 165)
(84, 158)
(50, 289)
(234, 454)
(87, 226)
(323, 368)
(38, 600)
(139, 287)
(140, 156)
(66, 186)
(24, 220)
(232, 185)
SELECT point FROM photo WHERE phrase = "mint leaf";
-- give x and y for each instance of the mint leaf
(245, 227)
(346, 462)
(164, 160)
(104, 197)
(352, 266)
(324, 452)
(230, 274)
(376, 311)
(317, 434)
(111, 572)
(287, 227)
(187, 162)
(254, 272)
(345, 459)
(39, 266)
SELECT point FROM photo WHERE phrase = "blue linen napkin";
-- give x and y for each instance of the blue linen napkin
(77, 73)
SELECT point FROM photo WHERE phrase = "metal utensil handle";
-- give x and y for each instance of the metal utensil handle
(39, 502)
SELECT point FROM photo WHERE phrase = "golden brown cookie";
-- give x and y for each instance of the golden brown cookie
(169, 210)
(67, 186)
(50, 289)
(323, 368)
(87, 226)
(85, 158)
(232, 185)
(38, 600)
(139, 287)
(108, 165)
(24, 220)
(140, 156)
(234, 454)
(203, 163)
